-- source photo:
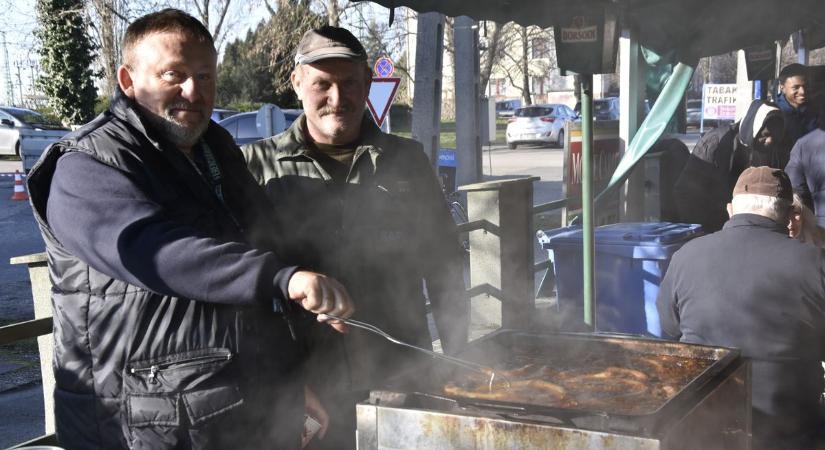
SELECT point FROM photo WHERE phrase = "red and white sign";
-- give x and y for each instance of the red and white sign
(384, 67)
(719, 101)
(382, 93)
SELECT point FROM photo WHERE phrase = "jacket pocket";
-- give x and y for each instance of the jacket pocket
(179, 371)
(177, 399)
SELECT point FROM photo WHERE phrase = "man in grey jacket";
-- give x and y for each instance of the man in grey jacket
(366, 208)
(172, 315)
(806, 170)
(751, 287)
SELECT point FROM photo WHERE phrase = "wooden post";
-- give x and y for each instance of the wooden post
(41, 294)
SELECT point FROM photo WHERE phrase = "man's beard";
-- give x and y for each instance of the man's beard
(175, 132)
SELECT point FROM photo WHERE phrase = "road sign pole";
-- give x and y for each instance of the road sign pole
(702, 117)
(588, 245)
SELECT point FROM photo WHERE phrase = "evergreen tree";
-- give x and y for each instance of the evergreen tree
(66, 56)
(244, 75)
(257, 68)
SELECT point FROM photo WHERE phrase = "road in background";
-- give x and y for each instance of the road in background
(500, 162)
(8, 165)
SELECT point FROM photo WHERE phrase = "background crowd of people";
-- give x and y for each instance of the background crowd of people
(757, 282)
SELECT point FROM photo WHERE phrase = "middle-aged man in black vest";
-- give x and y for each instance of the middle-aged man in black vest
(751, 287)
(171, 317)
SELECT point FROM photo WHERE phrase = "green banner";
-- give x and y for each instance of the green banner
(654, 124)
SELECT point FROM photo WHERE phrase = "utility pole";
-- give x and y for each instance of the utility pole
(7, 71)
(19, 65)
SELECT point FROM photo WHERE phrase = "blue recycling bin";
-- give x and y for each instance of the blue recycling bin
(447, 168)
(631, 260)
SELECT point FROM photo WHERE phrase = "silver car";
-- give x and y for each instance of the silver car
(539, 124)
(17, 123)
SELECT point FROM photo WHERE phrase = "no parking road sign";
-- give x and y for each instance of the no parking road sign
(384, 67)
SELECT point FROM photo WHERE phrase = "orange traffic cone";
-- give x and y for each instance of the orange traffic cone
(19, 190)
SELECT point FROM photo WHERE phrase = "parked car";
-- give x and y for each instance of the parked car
(612, 105)
(506, 108)
(244, 130)
(26, 133)
(220, 114)
(694, 112)
(539, 124)
(606, 108)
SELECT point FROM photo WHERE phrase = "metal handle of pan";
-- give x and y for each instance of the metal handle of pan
(459, 362)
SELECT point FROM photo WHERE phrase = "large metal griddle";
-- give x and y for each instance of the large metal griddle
(575, 347)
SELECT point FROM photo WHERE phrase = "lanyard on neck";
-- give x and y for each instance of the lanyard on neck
(215, 178)
(213, 170)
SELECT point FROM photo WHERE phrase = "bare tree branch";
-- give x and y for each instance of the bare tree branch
(222, 14)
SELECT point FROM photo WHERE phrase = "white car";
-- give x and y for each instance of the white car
(25, 133)
(539, 124)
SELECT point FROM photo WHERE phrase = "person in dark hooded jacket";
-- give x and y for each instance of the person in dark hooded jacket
(703, 189)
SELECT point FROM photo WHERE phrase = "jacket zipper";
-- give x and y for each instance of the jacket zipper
(154, 369)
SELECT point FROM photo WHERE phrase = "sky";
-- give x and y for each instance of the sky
(18, 24)
(20, 20)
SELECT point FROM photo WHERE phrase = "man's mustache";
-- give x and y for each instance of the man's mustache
(183, 104)
(326, 110)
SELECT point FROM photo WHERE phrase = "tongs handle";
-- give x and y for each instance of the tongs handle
(373, 329)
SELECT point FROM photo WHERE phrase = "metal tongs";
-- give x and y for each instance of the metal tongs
(459, 362)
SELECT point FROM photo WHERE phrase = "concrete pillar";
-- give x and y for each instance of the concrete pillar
(41, 295)
(801, 48)
(426, 120)
(467, 94)
(744, 87)
(631, 106)
(501, 256)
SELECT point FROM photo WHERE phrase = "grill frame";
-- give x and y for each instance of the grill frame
(697, 404)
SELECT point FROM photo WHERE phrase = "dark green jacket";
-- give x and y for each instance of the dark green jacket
(385, 234)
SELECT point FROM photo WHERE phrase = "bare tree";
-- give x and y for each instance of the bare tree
(332, 9)
(525, 68)
(215, 16)
(333, 12)
(490, 51)
(280, 36)
(525, 52)
(108, 22)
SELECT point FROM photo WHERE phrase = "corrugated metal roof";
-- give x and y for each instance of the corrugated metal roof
(694, 28)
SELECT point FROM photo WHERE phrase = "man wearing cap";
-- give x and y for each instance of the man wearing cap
(703, 188)
(366, 208)
(751, 287)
